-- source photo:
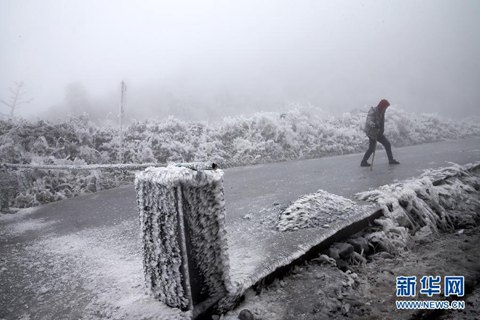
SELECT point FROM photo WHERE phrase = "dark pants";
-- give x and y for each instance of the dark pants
(386, 144)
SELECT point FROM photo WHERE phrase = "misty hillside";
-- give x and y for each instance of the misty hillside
(261, 138)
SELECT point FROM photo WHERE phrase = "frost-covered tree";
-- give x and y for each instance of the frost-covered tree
(17, 98)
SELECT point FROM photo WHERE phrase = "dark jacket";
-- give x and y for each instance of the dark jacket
(375, 124)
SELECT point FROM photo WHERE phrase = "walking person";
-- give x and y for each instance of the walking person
(374, 128)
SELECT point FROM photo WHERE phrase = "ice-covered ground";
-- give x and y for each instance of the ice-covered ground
(85, 275)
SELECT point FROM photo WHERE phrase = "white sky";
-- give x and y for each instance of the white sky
(245, 55)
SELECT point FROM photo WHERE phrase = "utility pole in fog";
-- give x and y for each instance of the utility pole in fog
(123, 89)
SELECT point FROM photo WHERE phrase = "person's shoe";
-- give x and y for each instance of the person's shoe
(364, 164)
(393, 161)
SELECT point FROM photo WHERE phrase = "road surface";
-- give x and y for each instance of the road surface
(81, 258)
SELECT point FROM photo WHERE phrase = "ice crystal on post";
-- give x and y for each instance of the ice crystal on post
(182, 213)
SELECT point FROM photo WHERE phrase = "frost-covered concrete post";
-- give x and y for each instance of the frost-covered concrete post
(182, 217)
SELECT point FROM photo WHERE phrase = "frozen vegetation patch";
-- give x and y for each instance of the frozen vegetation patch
(440, 200)
(318, 209)
(300, 133)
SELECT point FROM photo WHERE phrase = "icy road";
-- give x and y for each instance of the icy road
(81, 258)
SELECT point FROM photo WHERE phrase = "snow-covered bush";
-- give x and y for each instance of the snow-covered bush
(261, 138)
(38, 186)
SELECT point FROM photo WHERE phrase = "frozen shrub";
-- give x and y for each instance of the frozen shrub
(300, 133)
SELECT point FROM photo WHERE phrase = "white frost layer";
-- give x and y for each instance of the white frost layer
(28, 225)
(110, 166)
(316, 209)
(20, 214)
(87, 275)
(182, 208)
(172, 176)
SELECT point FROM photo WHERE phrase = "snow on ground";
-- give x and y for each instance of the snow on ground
(317, 209)
(86, 275)
(20, 214)
(16, 224)
(28, 225)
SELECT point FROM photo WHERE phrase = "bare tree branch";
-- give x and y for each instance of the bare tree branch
(24, 101)
(16, 98)
(5, 103)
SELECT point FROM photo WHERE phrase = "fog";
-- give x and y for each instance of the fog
(205, 59)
